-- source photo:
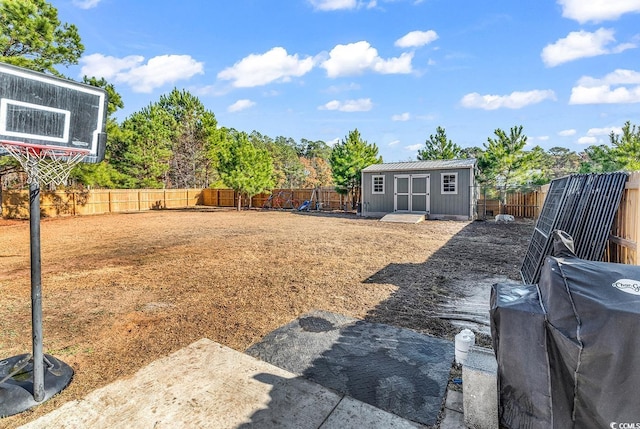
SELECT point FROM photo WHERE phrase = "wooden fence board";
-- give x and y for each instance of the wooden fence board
(328, 197)
(623, 240)
(518, 204)
(15, 204)
(97, 201)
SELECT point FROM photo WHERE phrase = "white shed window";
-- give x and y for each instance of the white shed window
(449, 183)
(378, 185)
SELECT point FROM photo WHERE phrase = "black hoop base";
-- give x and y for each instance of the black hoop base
(16, 393)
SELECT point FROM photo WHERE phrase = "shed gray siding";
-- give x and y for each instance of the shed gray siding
(457, 205)
(378, 203)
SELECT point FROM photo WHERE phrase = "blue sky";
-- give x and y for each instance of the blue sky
(567, 70)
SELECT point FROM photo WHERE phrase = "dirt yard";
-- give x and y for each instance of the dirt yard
(120, 291)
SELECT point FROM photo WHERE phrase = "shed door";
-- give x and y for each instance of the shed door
(411, 193)
(420, 193)
(401, 200)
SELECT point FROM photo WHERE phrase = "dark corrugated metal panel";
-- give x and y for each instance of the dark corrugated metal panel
(584, 206)
(540, 244)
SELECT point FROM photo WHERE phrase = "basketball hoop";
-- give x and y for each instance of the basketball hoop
(45, 164)
(49, 125)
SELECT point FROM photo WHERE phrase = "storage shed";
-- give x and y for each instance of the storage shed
(441, 189)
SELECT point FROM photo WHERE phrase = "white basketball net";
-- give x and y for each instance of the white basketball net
(47, 165)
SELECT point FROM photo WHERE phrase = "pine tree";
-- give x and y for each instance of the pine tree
(626, 147)
(505, 163)
(32, 36)
(439, 147)
(348, 159)
(194, 134)
(146, 136)
(245, 168)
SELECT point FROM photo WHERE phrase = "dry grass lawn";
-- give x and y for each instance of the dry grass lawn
(120, 291)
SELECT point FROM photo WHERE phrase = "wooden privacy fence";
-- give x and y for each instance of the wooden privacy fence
(15, 204)
(328, 197)
(623, 240)
(518, 204)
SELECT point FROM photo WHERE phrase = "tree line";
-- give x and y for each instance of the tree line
(503, 161)
(175, 142)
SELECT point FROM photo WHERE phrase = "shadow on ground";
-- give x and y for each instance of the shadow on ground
(387, 360)
(463, 269)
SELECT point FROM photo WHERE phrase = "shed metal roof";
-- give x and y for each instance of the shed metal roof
(421, 165)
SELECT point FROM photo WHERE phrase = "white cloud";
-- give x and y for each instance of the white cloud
(414, 147)
(402, 117)
(616, 77)
(355, 58)
(274, 65)
(605, 131)
(86, 4)
(241, 105)
(618, 87)
(360, 105)
(141, 77)
(415, 39)
(329, 5)
(582, 44)
(599, 135)
(159, 71)
(394, 143)
(567, 133)
(398, 65)
(515, 100)
(333, 4)
(604, 95)
(597, 10)
(588, 140)
(108, 67)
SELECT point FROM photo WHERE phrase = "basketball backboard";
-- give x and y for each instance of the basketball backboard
(39, 109)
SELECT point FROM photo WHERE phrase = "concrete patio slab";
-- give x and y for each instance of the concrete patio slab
(207, 385)
(403, 218)
(453, 411)
(394, 369)
(353, 414)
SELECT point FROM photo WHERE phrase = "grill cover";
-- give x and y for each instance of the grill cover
(568, 350)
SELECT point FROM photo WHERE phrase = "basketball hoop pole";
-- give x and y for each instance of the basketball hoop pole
(48, 125)
(48, 374)
(36, 285)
